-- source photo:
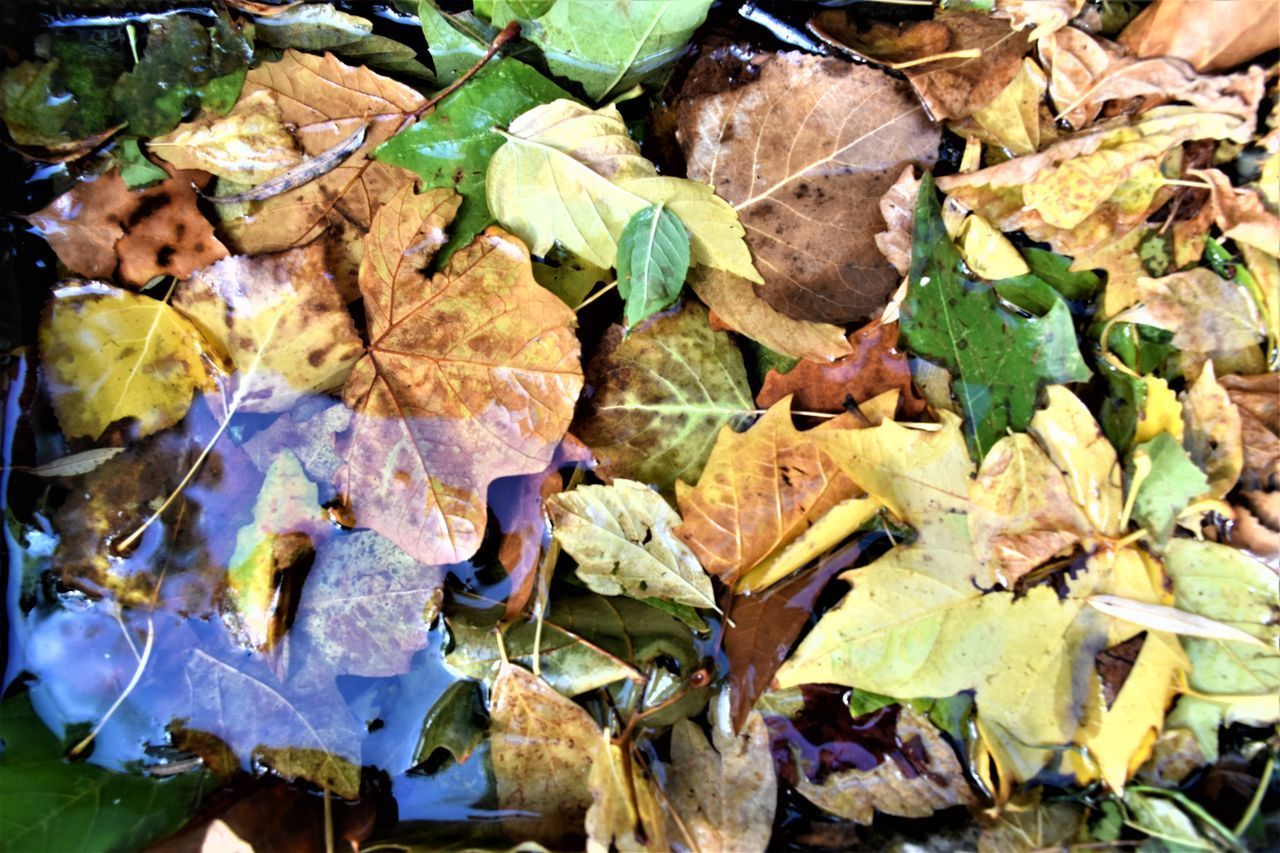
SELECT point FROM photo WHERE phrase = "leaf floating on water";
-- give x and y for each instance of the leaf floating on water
(249, 145)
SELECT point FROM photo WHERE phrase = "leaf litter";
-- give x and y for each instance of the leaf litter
(364, 439)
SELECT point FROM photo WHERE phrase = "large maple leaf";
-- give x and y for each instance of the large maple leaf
(472, 374)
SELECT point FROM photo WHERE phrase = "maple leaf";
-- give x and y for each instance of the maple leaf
(799, 155)
(572, 175)
(621, 537)
(471, 375)
(660, 394)
(100, 229)
(110, 354)
(278, 320)
(249, 145)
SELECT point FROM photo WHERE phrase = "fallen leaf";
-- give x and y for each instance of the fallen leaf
(988, 253)
(308, 431)
(737, 305)
(99, 229)
(1190, 29)
(760, 490)
(1046, 16)
(661, 393)
(624, 813)
(278, 319)
(1149, 82)
(1205, 312)
(312, 26)
(456, 723)
(454, 47)
(1173, 482)
(1073, 441)
(621, 536)
(898, 209)
(1241, 212)
(949, 87)
(109, 354)
(653, 261)
(325, 100)
(440, 349)
(725, 796)
(451, 145)
(1075, 61)
(874, 366)
(932, 779)
(997, 358)
(1016, 119)
(1256, 526)
(1212, 432)
(248, 145)
(1034, 825)
(572, 175)
(543, 748)
(77, 463)
(800, 156)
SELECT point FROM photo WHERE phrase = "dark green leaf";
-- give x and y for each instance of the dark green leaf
(456, 723)
(997, 358)
(1029, 293)
(1173, 483)
(653, 259)
(1054, 270)
(51, 804)
(451, 147)
(36, 109)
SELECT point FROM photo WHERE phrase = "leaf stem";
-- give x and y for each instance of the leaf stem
(1196, 811)
(593, 297)
(509, 33)
(328, 821)
(124, 694)
(1256, 801)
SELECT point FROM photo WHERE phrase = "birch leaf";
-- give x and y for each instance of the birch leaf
(471, 375)
(622, 538)
(110, 354)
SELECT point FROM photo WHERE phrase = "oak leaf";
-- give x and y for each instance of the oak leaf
(102, 230)
(278, 320)
(661, 393)
(248, 145)
(109, 354)
(760, 490)
(798, 152)
(471, 375)
(621, 536)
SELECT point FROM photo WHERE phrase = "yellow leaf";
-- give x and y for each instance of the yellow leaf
(248, 145)
(624, 813)
(571, 174)
(1213, 432)
(1075, 443)
(1160, 413)
(109, 354)
(828, 531)
(1012, 119)
(988, 252)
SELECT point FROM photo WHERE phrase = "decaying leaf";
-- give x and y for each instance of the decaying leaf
(624, 813)
(1212, 431)
(248, 145)
(100, 229)
(429, 433)
(1046, 16)
(1256, 397)
(572, 175)
(543, 746)
(621, 536)
(278, 320)
(760, 490)
(1205, 312)
(661, 393)
(801, 148)
(110, 354)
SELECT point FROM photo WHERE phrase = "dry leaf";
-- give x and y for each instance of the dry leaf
(1205, 312)
(1241, 213)
(1200, 32)
(801, 149)
(761, 489)
(1256, 527)
(950, 87)
(471, 375)
(1047, 16)
(874, 366)
(248, 145)
(102, 230)
(1075, 61)
(898, 208)
(278, 319)
(1258, 399)
(737, 305)
(1016, 119)
(1212, 432)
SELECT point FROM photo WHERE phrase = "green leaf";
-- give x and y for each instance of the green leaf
(653, 260)
(1173, 483)
(35, 108)
(135, 169)
(455, 723)
(451, 147)
(568, 276)
(453, 49)
(998, 359)
(52, 804)
(1055, 270)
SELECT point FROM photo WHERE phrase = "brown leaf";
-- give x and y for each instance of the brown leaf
(1241, 212)
(898, 209)
(874, 366)
(760, 490)
(1258, 398)
(325, 100)
(802, 149)
(249, 145)
(1203, 33)
(763, 627)
(1075, 61)
(1047, 16)
(472, 374)
(100, 229)
(952, 87)
(1256, 527)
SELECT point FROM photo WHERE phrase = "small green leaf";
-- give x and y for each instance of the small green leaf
(1055, 270)
(136, 170)
(455, 723)
(453, 49)
(1173, 483)
(653, 259)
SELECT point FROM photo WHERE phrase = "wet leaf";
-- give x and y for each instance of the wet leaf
(136, 170)
(622, 538)
(453, 48)
(455, 723)
(760, 490)
(440, 348)
(53, 804)
(1040, 826)
(1173, 483)
(660, 395)
(451, 146)
(1205, 312)
(312, 26)
(1072, 439)
(572, 175)
(653, 260)
(1212, 42)
(726, 795)
(99, 229)
(1016, 118)
(997, 358)
(876, 365)
(624, 813)
(154, 360)
(800, 155)
(543, 746)
(248, 145)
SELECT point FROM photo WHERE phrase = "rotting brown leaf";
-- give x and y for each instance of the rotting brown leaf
(1258, 398)
(801, 148)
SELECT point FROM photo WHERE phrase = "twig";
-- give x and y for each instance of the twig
(1256, 802)
(508, 34)
(303, 173)
(601, 292)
